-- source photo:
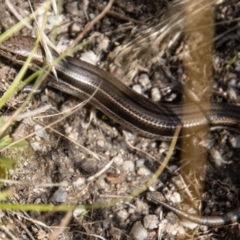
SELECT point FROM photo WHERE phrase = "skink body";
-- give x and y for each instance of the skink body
(126, 107)
(131, 110)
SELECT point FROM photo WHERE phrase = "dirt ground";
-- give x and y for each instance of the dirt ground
(168, 51)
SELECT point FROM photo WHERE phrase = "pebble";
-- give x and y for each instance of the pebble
(138, 232)
(80, 181)
(103, 44)
(217, 156)
(235, 141)
(155, 94)
(216, 61)
(150, 222)
(72, 8)
(237, 65)
(79, 211)
(40, 132)
(175, 198)
(75, 27)
(122, 215)
(90, 57)
(142, 207)
(143, 171)
(88, 165)
(145, 81)
(118, 160)
(36, 146)
(128, 166)
(59, 196)
(232, 93)
(137, 88)
(140, 163)
(101, 143)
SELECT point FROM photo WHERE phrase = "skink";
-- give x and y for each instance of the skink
(126, 107)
